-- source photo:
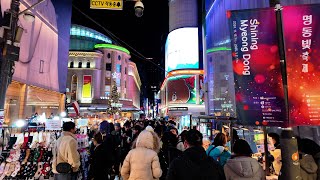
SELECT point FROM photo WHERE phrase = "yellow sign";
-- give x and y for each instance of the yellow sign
(106, 4)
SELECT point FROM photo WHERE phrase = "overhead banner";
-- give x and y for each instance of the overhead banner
(256, 66)
(87, 86)
(301, 33)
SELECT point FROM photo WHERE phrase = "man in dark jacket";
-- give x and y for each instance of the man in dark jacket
(194, 162)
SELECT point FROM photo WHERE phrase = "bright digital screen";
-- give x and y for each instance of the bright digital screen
(182, 89)
(182, 50)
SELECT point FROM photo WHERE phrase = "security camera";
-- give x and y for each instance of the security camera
(28, 16)
(138, 8)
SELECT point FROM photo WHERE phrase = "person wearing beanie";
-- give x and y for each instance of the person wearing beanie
(142, 162)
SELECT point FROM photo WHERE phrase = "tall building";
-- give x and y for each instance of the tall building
(95, 65)
(181, 92)
(39, 78)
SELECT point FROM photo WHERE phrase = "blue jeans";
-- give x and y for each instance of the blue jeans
(69, 176)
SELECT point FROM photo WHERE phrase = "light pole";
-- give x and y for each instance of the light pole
(10, 46)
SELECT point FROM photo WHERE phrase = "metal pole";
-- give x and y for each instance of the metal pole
(290, 169)
(190, 121)
(7, 65)
(267, 162)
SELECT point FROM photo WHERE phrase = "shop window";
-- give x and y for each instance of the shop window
(108, 67)
(79, 64)
(88, 64)
(41, 66)
(71, 64)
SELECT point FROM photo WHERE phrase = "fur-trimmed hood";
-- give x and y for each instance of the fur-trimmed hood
(149, 140)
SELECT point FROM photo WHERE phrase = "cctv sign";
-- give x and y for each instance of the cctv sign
(106, 4)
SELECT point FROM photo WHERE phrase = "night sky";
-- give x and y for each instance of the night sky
(146, 34)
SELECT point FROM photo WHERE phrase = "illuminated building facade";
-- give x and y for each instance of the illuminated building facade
(182, 91)
(38, 84)
(94, 66)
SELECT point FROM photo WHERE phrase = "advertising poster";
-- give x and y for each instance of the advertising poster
(301, 33)
(87, 86)
(256, 65)
(183, 90)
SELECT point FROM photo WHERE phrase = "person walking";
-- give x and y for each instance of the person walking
(142, 162)
(242, 166)
(218, 150)
(98, 166)
(65, 154)
(194, 162)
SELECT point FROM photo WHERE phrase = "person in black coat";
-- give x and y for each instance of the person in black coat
(194, 162)
(99, 165)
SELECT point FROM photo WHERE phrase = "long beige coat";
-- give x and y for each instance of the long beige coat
(142, 163)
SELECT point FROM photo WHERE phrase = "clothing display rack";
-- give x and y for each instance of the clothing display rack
(27, 153)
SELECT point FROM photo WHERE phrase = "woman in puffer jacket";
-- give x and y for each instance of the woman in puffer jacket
(142, 162)
(242, 166)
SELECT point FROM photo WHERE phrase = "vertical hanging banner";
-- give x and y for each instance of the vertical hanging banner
(87, 87)
(301, 33)
(256, 66)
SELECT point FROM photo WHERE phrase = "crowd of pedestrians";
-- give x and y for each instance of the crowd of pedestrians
(150, 150)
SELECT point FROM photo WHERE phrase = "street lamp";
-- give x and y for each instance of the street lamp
(10, 46)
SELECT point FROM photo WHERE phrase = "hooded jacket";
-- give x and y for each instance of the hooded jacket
(243, 168)
(308, 167)
(142, 163)
(194, 164)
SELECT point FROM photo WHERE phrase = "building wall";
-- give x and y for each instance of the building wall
(94, 70)
(107, 66)
(218, 66)
(182, 13)
(133, 84)
(41, 61)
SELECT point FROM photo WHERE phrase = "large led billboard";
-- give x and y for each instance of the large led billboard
(183, 89)
(182, 51)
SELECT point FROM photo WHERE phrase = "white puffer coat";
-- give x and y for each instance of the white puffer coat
(142, 163)
(243, 168)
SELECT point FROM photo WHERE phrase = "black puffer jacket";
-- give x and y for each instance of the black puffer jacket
(194, 164)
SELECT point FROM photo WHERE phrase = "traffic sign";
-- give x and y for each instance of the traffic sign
(106, 4)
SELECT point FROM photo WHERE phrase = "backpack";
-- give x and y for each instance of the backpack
(222, 158)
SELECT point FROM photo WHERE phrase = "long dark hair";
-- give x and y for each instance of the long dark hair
(220, 140)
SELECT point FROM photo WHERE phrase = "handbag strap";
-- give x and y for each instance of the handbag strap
(211, 150)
